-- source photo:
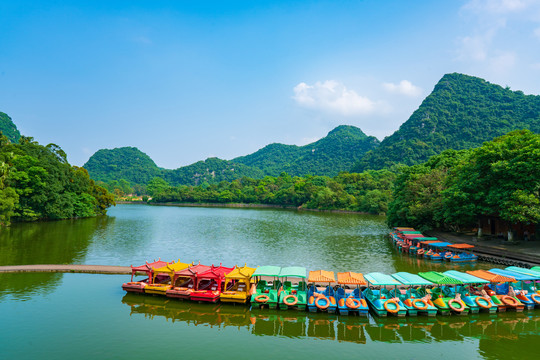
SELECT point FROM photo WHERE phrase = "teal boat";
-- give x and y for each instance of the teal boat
(530, 286)
(536, 268)
(442, 297)
(470, 295)
(410, 297)
(297, 288)
(379, 297)
(265, 293)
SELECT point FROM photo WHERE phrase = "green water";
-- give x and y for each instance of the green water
(61, 316)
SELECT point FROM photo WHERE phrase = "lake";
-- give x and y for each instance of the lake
(60, 316)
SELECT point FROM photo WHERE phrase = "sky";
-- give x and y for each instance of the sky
(187, 80)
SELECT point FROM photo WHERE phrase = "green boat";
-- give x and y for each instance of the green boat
(265, 293)
(442, 296)
(293, 291)
(411, 297)
(470, 295)
(379, 297)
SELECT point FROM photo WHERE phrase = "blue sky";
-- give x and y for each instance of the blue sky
(183, 81)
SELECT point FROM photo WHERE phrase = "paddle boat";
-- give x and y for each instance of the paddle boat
(475, 301)
(216, 276)
(167, 270)
(515, 289)
(351, 300)
(435, 253)
(379, 297)
(444, 299)
(321, 298)
(530, 286)
(410, 297)
(422, 246)
(185, 281)
(503, 302)
(293, 294)
(147, 268)
(238, 284)
(265, 292)
(536, 268)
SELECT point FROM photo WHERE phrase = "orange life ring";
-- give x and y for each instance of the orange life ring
(393, 311)
(290, 297)
(458, 309)
(420, 251)
(418, 307)
(485, 305)
(535, 298)
(262, 298)
(510, 301)
(311, 300)
(341, 302)
(322, 307)
(353, 303)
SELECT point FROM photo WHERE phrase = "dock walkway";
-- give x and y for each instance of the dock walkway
(89, 269)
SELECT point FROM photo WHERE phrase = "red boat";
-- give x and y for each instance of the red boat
(138, 286)
(185, 281)
(210, 284)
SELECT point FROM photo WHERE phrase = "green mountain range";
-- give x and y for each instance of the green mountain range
(462, 112)
(8, 128)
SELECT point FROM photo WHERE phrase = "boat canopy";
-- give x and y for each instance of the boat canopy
(410, 279)
(241, 273)
(523, 271)
(148, 266)
(216, 272)
(461, 246)
(171, 268)
(351, 278)
(410, 232)
(424, 241)
(321, 276)
(414, 236)
(193, 270)
(439, 278)
(267, 271)
(491, 277)
(517, 276)
(536, 268)
(404, 228)
(423, 238)
(440, 244)
(379, 279)
(465, 278)
(293, 271)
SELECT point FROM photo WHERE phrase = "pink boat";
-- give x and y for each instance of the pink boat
(210, 284)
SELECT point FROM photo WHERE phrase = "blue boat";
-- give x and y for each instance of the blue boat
(411, 298)
(470, 295)
(351, 300)
(379, 298)
(529, 300)
(321, 298)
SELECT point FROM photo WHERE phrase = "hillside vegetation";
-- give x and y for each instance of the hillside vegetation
(8, 128)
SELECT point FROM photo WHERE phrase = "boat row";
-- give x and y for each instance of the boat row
(414, 243)
(400, 294)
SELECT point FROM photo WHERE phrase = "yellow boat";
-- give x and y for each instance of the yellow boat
(169, 269)
(237, 283)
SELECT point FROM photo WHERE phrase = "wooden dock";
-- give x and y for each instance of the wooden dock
(88, 269)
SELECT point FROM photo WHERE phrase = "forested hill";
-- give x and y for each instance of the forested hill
(336, 152)
(462, 112)
(8, 128)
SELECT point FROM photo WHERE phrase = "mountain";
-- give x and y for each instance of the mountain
(336, 152)
(462, 112)
(8, 128)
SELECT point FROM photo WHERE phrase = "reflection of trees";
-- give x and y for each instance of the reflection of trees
(22, 286)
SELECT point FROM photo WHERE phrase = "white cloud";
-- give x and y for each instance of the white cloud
(498, 6)
(334, 97)
(404, 87)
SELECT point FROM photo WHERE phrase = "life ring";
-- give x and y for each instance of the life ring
(322, 307)
(262, 298)
(352, 303)
(294, 302)
(510, 301)
(458, 309)
(418, 307)
(535, 298)
(486, 304)
(420, 251)
(393, 311)
(448, 255)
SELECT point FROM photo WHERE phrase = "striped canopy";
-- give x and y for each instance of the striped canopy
(379, 279)
(461, 246)
(321, 276)
(439, 278)
(491, 277)
(351, 278)
(466, 278)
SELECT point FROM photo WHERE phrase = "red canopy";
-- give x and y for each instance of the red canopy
(147, 268)
(215, 272)
(193, 270)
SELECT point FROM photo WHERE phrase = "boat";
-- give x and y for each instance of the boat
(321, 298)
(351, 300)
(265, 292)
(168, 270)
(536, 268)
(185, 281)
(297, 289)
(238, 284)
(444, 299)
(411, 297)
(475, 300)
(379, 297)
(216, 277)
(530, 286)
(515, 289)
(503, 302)
(147, 268)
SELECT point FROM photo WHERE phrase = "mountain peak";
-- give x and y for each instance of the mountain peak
(8, 128)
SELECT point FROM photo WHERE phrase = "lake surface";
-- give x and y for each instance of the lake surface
(51, 315)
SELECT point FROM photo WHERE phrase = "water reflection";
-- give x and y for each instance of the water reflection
(359, 330)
